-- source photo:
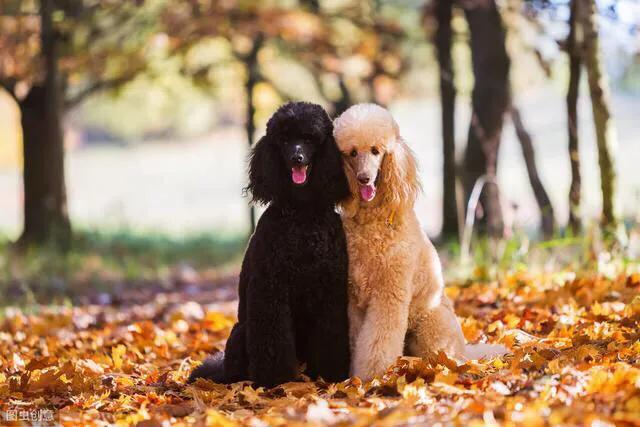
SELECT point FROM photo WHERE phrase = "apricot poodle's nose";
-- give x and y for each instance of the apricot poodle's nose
(363, 178)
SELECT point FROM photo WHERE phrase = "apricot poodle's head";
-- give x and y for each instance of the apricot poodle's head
(379, 165)
(297, 160)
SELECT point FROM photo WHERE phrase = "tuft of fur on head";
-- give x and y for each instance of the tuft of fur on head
(269, 178)
(366, 125)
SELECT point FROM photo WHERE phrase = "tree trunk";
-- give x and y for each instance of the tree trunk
(45, 200)
(344, 102)
(605, 129)
(443, 41)
(490, 99)
(542, 198)
(250, 129)
(253, 77)
(575, 68)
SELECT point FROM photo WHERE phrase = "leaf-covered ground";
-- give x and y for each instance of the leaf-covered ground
(574, 342)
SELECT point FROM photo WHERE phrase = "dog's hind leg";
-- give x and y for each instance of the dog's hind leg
(235, 360)
(434, 330)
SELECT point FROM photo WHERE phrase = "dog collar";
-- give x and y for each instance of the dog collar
(391, 218)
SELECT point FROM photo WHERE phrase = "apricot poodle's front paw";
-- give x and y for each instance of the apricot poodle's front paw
(368, 369)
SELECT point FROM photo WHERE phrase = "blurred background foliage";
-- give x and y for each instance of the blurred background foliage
(147, 119)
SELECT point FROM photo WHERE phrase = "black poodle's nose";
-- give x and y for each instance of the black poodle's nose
(363, 179)
(297, 158)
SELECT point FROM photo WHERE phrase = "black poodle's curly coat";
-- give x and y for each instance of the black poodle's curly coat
(293, 282)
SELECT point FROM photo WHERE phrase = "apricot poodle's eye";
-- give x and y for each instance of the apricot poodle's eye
(374, 151)
(353, 153)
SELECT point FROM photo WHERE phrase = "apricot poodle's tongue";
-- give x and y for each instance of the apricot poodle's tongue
(299, 174)
(367, 192)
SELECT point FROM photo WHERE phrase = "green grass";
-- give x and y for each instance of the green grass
(591, 251)
(201, 250)
(105, 261)
(99, 259)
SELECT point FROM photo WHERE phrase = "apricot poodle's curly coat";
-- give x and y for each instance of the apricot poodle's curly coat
(396, 299)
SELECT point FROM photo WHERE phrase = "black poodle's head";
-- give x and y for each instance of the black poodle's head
(297, 161)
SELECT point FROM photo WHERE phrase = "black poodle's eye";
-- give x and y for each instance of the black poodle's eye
(374, 151)
(353, 153)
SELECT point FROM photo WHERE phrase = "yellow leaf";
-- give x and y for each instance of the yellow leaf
(633, 404)
(554, 366)
(116, 356)
(598, 310)
(124, 382)
(511, 320)
(215, 418)
(498, 364)
(217, 321)
(497, 325)
(446, 377)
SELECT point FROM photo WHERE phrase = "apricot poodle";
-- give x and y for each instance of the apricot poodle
(396, 301)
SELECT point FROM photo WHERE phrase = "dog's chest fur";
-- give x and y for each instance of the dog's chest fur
(376, 247)
(311, 242)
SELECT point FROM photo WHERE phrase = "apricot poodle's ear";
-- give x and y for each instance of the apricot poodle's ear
(327, 174)
(400, 176)
(266, 172)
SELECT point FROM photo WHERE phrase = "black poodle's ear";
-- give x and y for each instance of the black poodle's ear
(330, 178)
(265, 172)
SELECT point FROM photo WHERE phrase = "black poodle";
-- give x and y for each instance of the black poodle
(293, 282)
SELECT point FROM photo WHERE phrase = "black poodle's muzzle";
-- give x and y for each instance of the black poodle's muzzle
(298, 157)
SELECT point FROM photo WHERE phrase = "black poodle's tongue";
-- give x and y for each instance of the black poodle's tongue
(299, 174)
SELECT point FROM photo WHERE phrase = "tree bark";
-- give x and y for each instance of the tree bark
(443, 42)
(253, 77)
(542, 198)
(575, 68)
(345, 101)
(45, 199)
(490, 99)
(605, 129)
